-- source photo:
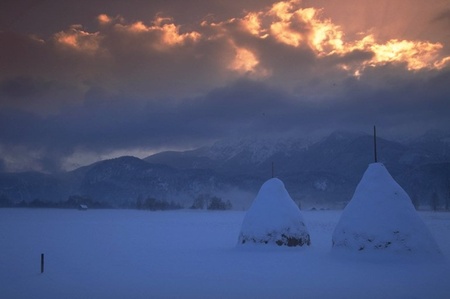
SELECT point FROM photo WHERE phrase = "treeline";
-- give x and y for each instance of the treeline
(73, 202)
(202, 201)
(210, 202)
(154, 204)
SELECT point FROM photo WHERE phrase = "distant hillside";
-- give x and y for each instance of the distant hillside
(324, 173)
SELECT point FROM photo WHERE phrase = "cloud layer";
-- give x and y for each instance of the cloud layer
(279, 68)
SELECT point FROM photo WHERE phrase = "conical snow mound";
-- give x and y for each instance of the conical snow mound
(381, 217)
(274, 218)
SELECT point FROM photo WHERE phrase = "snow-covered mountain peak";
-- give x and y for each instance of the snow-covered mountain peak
(257, 150)
(434, 136)
(341, 135)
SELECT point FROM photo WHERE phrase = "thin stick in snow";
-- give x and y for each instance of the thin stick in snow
(42, 263)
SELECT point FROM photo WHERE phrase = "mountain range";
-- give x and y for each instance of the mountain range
(323, 174)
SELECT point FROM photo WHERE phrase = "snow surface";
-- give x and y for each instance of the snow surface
(193, 254)
(381, 217)
(274, 218)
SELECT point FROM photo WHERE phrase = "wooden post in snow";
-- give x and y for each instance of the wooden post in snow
(42, 263)
(375, 143)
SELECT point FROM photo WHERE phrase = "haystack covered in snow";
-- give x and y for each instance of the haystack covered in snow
(274, 218)
(381, 217)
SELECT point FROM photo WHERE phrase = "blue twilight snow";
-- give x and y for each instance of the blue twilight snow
(274, 218)
(381, 217)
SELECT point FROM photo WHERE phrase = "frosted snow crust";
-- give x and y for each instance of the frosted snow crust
(380, 216)
(274, 218)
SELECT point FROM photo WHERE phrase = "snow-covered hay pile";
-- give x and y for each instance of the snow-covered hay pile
(274, 218)
(381, 217)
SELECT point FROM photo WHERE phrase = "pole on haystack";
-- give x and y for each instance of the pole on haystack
(375, 143)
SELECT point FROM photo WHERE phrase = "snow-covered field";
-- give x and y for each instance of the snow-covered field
(193, 254)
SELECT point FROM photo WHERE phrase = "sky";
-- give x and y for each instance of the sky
(87, 80)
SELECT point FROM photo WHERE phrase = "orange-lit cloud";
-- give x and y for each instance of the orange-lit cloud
(285, 42)
(252, 23)
(284, 22)
(168, 33)
(415, 54)
(104, 19)
(290, 24)
(78, 39)
(245, 62)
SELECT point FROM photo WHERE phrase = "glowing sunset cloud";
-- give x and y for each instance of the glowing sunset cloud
(169, 33)
(252, 23)
(285, 22)
(244, 61)
(416, 54)
(295, 26)
(281, 28)
(104, 19)
(78, 39)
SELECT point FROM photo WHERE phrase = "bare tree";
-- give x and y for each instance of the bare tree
(201, 201)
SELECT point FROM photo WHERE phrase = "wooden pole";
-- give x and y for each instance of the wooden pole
(375, 143)
(273, 171)
(42, 263)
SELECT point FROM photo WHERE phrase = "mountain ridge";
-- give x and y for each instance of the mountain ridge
(321, 173)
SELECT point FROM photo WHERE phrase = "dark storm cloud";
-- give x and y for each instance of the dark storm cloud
(244, 108)
(443, 16)
(20, 87)
(103, 123)
(32, 16)
(21, 54)
(355, 56)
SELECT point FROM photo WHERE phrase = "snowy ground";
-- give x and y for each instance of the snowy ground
(192, 254)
